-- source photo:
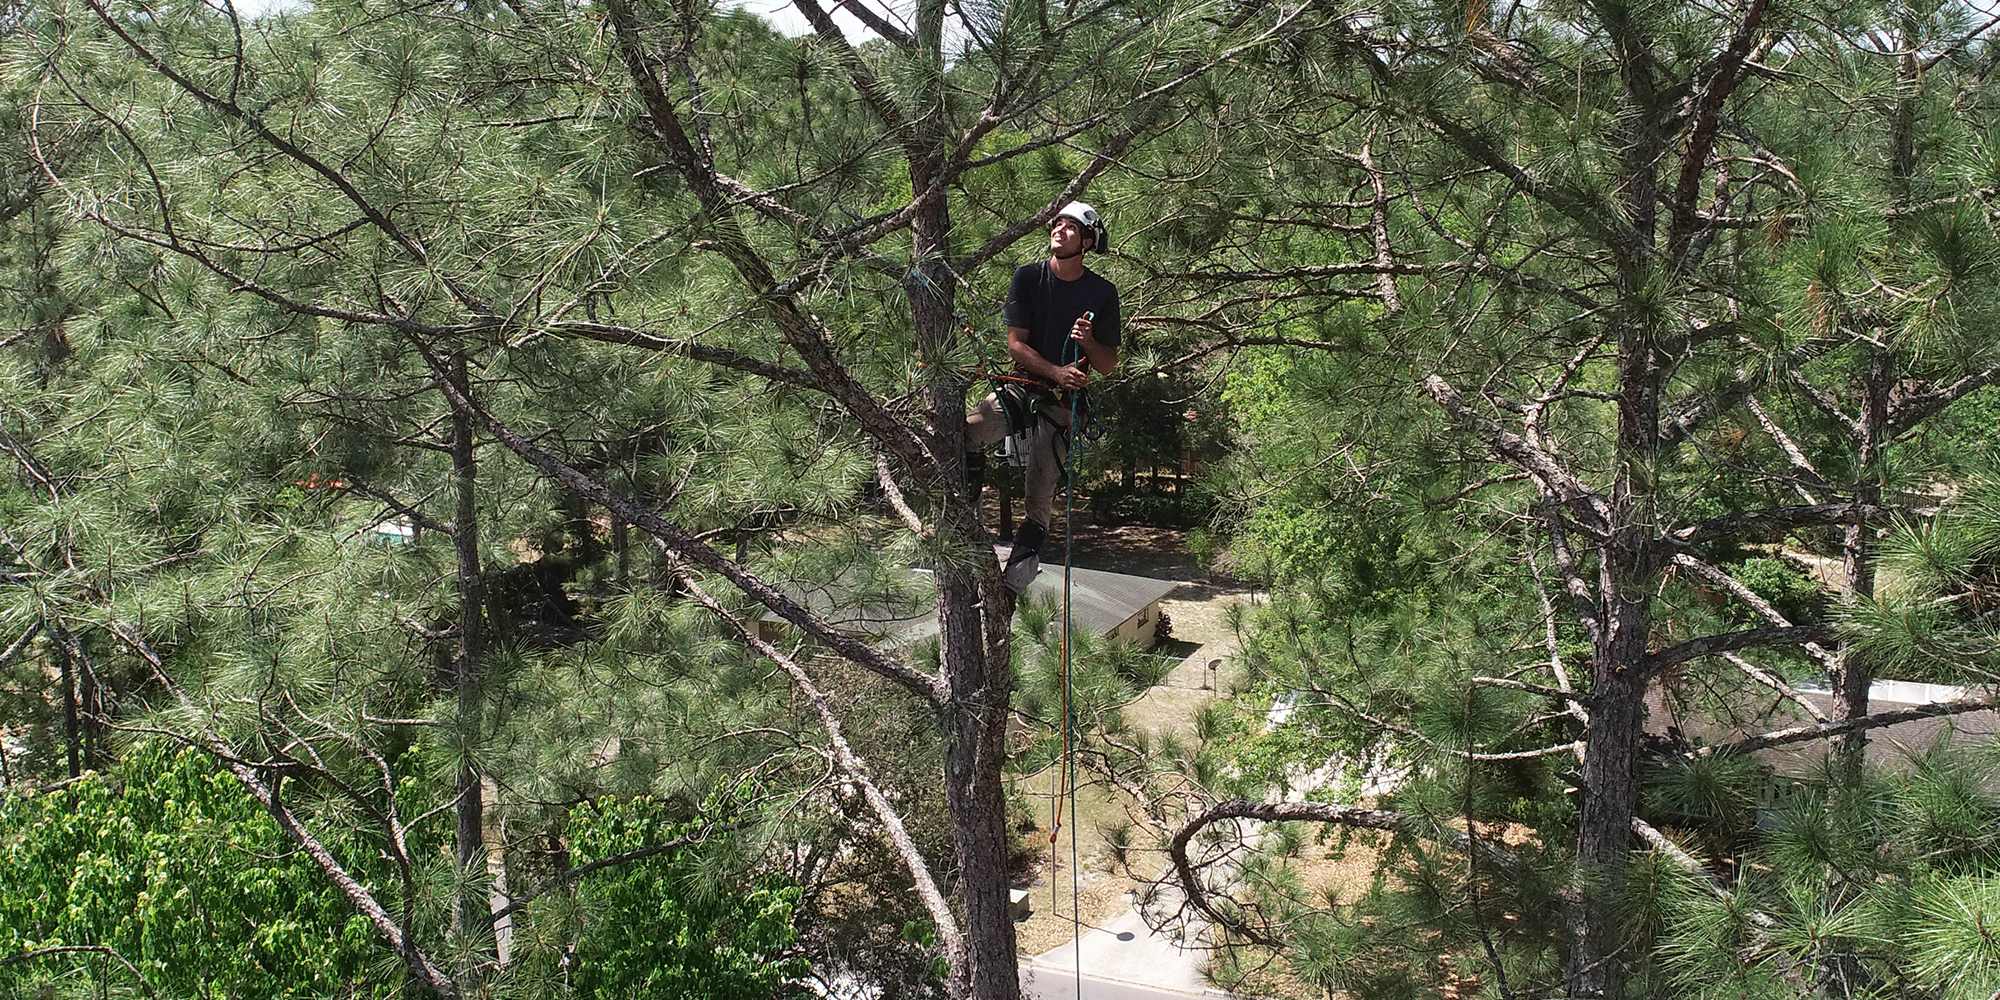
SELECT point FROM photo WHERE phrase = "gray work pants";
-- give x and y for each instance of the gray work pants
(1048, 447)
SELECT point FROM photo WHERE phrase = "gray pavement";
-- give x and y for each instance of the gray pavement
(1122, 954)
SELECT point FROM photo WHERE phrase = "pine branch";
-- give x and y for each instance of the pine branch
(228, 108)
(1827, 730)
(1914, 409)
(1336, 701)
(871, 90)
(1824, 403)
(1720, 82)
(267, 793)
(877, 23)
(14, 648)
(1776, 683)
(1314, 812)
(570, 876)
(1144, 108)
(84, 949)
(1719, 577)
(30, 465)
(21, 201)
(1729, 642)
(417, 517)
(1379, 233)
(804, 333)
(1551, 642)
(1691, 414)
(1774, 521)
(1560, 694)
(1515, 449)
(609, 333)
(856, 770)
(1373, 268)
(686, 545)
(1582, 210)
(1793, 453)
(894, 494)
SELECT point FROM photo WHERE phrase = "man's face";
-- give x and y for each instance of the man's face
(1066, 238)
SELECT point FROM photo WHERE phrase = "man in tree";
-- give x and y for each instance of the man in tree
(1062, 322)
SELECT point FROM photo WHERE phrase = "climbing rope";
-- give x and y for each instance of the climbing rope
(1069, 718)
(1063, 782)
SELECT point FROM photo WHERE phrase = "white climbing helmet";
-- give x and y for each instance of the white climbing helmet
(1087, 217)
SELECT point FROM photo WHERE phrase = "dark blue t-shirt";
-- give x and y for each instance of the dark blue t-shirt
(1047, 307)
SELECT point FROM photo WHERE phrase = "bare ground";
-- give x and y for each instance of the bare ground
(1203, 637)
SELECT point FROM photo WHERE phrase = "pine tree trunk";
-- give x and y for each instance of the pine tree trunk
(72, 732)
(1610, 799)
(979, 832)
(972, 646)
(1628, 567)
(469, 842)
(1852, 677)
(980, 675)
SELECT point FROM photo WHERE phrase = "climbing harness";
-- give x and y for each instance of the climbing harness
(1021, 403)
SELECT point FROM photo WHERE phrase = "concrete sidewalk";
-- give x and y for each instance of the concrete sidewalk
(1123, 951)
(1123, 959)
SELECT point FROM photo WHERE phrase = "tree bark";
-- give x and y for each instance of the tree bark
(469, 846)
(1852, 676)
(978, 668)
(72, 733)
(1610, 800)
(1627, 565)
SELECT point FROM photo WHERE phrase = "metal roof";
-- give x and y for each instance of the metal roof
(1100, 602)
(1888, 747)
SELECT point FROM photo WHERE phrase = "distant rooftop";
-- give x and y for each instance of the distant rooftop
(1888, 746)
(1101, 603)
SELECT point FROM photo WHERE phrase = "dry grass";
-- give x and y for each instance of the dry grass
(1103, 887)
(1169, 707)
(1100, 896)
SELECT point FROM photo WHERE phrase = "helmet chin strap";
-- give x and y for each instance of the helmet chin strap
(1068, 256)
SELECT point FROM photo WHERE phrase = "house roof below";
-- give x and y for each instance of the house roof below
(1100, 602)
(1889, 747)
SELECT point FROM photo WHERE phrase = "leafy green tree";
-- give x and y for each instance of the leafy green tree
(660, 927)
(161, 877)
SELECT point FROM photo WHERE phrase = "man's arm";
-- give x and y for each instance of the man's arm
(1032, 362)
(1103, 357)
(1099, 333)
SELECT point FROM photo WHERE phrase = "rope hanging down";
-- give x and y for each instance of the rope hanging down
(1064, 779)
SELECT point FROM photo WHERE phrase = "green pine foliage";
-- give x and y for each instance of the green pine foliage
(202, 459)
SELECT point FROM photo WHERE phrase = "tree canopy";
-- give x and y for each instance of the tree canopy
(428, 425)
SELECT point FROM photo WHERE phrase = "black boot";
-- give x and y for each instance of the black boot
(1024, 561)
